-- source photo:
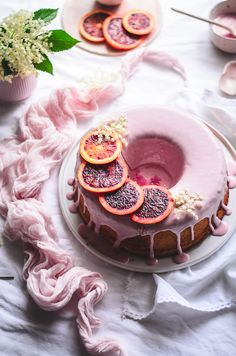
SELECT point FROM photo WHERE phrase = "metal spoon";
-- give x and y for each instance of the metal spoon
(212, 22)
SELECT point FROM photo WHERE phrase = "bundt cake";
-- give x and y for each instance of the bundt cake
(159, 194)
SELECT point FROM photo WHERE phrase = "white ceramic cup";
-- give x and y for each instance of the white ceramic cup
(224, 43)
(110, 2)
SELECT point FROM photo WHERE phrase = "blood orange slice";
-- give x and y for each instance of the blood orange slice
(116, 35)
(158, 204)
(102, 178)
(125, 200)
(138, 22)
(96, 148)
(90, 26)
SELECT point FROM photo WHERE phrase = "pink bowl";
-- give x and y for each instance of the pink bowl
(224, 43)
(18, 89)
(110, 2)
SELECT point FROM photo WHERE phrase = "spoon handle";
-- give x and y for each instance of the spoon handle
(202, 19)
(6, 278)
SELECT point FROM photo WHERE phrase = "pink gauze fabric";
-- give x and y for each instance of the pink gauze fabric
(46, 132)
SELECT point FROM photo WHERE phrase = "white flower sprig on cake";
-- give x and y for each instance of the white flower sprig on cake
(25, 43)
(113, 130)
(187, 203)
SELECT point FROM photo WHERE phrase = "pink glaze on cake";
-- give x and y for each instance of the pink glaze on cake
(154, 160)
(192, 159)
(231, 174)
(228, 20)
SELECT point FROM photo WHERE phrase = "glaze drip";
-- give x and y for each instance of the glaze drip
(179, 248)
(219, 228)
(181, 258)
(70, 196)
(231, 167)
(151, 251)
(192, 232)
(152, 261)
(73, 208)
(227, 210)
(232, 182)
(71, 181)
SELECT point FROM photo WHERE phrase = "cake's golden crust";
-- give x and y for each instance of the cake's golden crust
(83, 211)
(165, 242)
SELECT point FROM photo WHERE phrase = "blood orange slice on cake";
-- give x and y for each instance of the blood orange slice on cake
(97, 148)
(158, 204)
(102, 178)
(125, 200)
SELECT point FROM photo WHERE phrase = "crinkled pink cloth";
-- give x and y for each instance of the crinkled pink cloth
(26, 160)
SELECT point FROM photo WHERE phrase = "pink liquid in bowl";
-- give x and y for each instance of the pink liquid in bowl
(228, 20)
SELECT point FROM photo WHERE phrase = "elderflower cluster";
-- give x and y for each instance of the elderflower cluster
(23, 43)
(187, 203)
(113, 130)
(99, 79)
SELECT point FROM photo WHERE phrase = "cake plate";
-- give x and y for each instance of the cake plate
(199, 253)
(74, 9)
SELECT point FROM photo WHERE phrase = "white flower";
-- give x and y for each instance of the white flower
(187, 203)
(23, 43)
(99, 79)
(114, 129)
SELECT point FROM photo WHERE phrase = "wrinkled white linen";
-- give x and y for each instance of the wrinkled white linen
(210, 107)
(170, 329)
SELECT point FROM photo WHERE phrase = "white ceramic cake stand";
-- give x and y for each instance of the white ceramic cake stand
(205, 249)
(74, 9)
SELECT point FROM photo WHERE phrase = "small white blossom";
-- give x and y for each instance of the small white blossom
(99, 79)
(114, 129)
(23, 43)
(186, 203)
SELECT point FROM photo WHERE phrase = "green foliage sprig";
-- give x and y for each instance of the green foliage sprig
(25, 43)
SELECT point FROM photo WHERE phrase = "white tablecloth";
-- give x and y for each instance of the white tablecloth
(27, 330)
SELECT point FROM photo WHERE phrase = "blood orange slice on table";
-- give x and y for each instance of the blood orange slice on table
(116, 35)
(102, 178)
(90, 26)
(96, 148)
(158, 204)
(138, 22)
(125, 200)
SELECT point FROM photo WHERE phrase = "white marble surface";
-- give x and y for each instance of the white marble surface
(26, 330)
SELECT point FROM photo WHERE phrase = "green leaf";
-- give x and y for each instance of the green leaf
(61, 40)
(45, 65)
(46, 15)
(7, 70)
(2, 29)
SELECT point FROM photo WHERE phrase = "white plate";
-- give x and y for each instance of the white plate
(136, 263)
(74, 9)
